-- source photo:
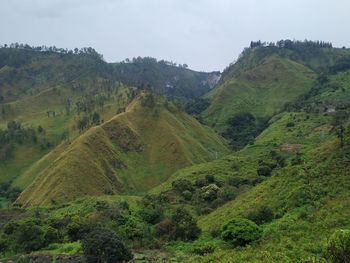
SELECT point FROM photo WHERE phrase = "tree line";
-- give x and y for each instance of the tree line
(292, 44)
(43, 48)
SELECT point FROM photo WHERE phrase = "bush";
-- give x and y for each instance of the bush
(262, 215)
(209, 192)
(182, 185)
(264, 170)
(28, 236)
(103, 245)
(185, 226)
(338, 248)
(166, 229)
(240, 232)
(152, 208)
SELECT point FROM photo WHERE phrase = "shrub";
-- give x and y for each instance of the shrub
(262, 215)
(152, 209)
(103, 245)
(182, 185)
(209, 192)
(240, 232)
(185, 226)
(28, 236)
(166, 229)
(290, 124)
(264, 170)
(227, 193)
(338, 248)
(77, 230)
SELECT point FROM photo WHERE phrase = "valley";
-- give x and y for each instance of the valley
(155, 161)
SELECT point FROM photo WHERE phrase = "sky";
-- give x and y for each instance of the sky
(205, 34)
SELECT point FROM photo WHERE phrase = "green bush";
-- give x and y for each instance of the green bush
(104, 246)
(264, 170)
(261, 215)
(185, 226)
(338, 248)
(182, 185)
(240, 232)
(28, 236)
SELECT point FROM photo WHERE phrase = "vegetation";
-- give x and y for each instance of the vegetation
(102, 245)
(339, 246)
(240, 232)
(128, 174)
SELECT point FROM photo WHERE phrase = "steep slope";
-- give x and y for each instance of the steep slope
(266, 77)
(61, 91)
(131, 153)
(262, 91)
(302, 202)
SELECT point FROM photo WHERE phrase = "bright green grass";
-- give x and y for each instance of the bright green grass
(261, 91)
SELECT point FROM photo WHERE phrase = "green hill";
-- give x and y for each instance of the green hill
(131, 153)
(265, 78)
(61, 91)
(129, 161)
(304, 200)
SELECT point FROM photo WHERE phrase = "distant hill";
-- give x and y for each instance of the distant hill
(131, 153)
(163, 76)
(26, 71)
(266, 76)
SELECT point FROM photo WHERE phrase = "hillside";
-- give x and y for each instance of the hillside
(131, 153)
(127, 164)
(166, 77)
(266, 77)
(64, 92)
(301, 201)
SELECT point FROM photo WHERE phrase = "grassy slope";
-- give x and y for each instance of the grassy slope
(36, 82)
(309, 200)
(125, 155)
(31, 111)
(262, 90)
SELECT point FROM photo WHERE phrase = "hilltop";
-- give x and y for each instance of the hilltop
(130, 153)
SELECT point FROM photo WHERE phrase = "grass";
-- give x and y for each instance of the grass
(122, 155)
(262, 91)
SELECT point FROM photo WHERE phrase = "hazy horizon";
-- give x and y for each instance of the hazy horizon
(204, 34)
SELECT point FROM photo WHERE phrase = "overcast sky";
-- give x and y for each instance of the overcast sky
(205, 34)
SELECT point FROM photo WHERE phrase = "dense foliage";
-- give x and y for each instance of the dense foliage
(242, 129)
(339, 246)
(240, 232)
(104, 246)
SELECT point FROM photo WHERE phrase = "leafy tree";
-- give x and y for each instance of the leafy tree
(166, 228)
(185, 226)
(338, 123)
(152, 209)
(338, 248)
(261, 215)
(28, 236)
(182, 185)
(264, 170)
(242, 129)
(104, 246)
(240, 232)
(96, 119)
(197, 106)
